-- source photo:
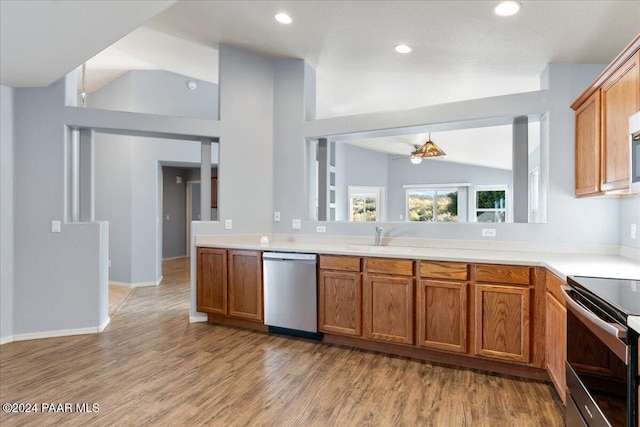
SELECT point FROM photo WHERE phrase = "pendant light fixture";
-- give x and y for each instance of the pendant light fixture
(84, 94)
(428, 149)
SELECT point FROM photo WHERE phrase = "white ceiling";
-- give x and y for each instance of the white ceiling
(461, 50)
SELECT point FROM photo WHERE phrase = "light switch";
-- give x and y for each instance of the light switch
(276, 216)
(55, 226)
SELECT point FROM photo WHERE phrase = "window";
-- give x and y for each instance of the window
(366, 203)
(491, 203)
(432, 204)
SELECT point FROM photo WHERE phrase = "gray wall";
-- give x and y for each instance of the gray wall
(114, 202)
(158, 92)
(6, 218)
(434, 171)
(174, 215)
(357, 166)
(630, 214)
(136, 234)
(57, 276)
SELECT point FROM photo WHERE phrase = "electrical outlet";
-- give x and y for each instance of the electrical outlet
(321, 229)
(633, 231)
(488, 232)
(276, 216)
(228, 224)
(55, 226)
(296, 224)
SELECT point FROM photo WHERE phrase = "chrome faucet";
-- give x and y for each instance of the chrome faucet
(378, 238)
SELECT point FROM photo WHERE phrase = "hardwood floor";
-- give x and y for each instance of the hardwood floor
(118, 294)
(151, 367)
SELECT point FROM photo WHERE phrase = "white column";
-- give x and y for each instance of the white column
(87, 176)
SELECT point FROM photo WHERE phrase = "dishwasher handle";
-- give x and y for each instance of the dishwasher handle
(287, 256)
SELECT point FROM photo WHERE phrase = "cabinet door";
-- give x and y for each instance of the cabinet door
(245, 285)
(214, 193)
(556, 343)
(211, 281)
(620, 99)
(587, 168)
(442, 315)
(388, 308)
(502, 322)
(340, 303)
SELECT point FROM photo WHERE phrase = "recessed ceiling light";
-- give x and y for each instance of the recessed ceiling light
(507, 8)
(403, 48)
(283, 18)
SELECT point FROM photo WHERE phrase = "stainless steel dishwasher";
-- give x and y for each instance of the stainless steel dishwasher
(290, 293)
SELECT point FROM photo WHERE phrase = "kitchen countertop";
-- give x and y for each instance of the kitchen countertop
(560, 264)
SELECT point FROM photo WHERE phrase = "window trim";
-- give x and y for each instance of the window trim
(508, 211)
(364, 190)
(456, 186)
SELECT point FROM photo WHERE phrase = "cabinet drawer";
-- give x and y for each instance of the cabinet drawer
(399, 267)
(513, 274)
(342, 263)
(553, 287)
(444, 270)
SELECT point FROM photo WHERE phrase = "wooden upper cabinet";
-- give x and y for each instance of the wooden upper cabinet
(602, 125)
(245, 284)
(502, 317)
(620, 100)
(340, 302)
(388, 308)
(211, 281)
(587, 149)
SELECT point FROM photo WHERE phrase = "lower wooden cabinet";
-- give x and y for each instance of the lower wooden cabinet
(556, 335)
(388, 308)
(211, 281)
(229, 283)
(442, 315)
(245, 285)
(340, 302)
(502, 315)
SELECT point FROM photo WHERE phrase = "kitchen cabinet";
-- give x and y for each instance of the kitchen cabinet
(389, 300)
(211, 281)
(502, 312)
(442, 308)
(245, 284)
(620, 99)
(229, 283)
(587, 170)
(602, 126)
(340, 295)
(214, 193)
(556, 334)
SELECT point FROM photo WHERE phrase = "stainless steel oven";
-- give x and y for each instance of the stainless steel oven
(602, 352)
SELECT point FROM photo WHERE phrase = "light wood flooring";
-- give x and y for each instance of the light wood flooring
(118, 294)
(151, 367)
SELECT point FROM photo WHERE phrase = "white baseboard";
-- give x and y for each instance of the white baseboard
(104, 324)
(136, 284)
(198, 318)
(6, 340)
(54, 334)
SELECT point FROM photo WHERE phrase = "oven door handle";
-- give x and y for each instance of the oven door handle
(612, 329)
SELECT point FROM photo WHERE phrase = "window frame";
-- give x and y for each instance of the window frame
(457, 187)
(508, 209)
(366, 191)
